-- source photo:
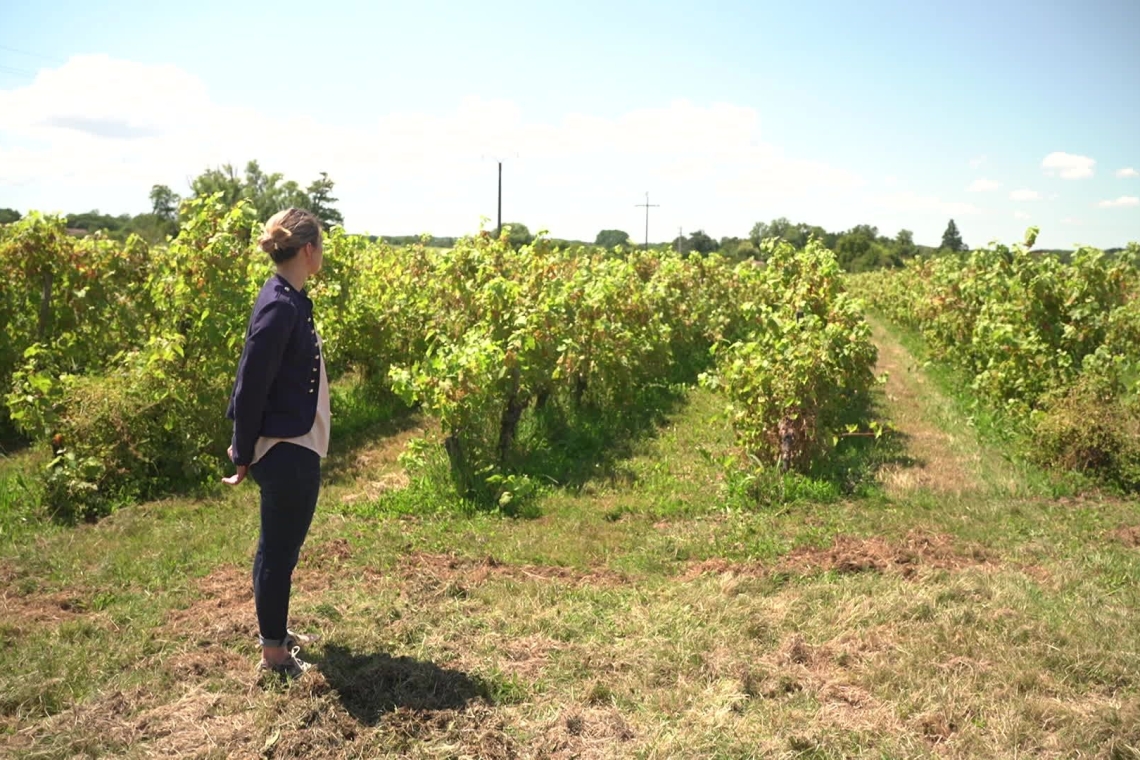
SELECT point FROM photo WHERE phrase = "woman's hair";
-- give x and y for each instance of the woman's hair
(287, 232)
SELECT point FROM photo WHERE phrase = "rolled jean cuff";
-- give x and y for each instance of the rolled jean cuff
(272, 642)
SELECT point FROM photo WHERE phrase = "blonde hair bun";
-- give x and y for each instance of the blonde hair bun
(274, 238)
(288, 231)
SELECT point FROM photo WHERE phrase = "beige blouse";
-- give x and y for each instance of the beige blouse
(317, 438)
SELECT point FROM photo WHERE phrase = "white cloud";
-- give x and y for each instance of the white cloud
(1021, 215)
(1068, 166)
(976, 163)
(1127, 173)
(983, 186)
(72, 136)
(1025, 195)
(1121, 202)
(1071, 221)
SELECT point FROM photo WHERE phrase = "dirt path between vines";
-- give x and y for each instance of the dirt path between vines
(942, 461)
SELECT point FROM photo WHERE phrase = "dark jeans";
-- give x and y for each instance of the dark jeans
(290, 479)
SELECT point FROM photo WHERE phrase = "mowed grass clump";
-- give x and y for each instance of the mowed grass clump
(648, 610)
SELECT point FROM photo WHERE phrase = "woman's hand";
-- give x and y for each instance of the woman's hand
(242, 470)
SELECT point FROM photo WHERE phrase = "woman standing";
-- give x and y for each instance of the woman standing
(280, 410)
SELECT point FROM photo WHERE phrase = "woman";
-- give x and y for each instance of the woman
(280, 410)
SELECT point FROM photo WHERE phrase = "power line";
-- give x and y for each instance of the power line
(647, 206)
(18, 72)
(33, 55)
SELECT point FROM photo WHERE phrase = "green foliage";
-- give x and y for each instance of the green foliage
(128, 386)
(952, 239)
(221, 181)
(612, 238)
(858, 249)
(904, 245)
(796, 235)
(738, 249)
(806, 359)
(1089, 427)
(164, 203)
(321, 201)
(861, 249)
(266, 193)
(517, 233)
(699, 242)
(9, 215)
(86, 298)
(1039, 336)
(127, 370)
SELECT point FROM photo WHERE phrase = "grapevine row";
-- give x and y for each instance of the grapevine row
(127, 374)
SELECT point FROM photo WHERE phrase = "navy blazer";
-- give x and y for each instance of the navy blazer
(278, 376)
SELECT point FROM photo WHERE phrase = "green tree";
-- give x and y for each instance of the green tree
(758, 234)
(263, 191)
(292, 196)
(611, 238)
(321, 201)
(952, 239)
(732, 247)
(519, 234)
(783, 229)
(150, 227)
(93, 221)
(862, 248)
(700, 242)
(9, 215)
(744, 250)
(268, 193)
(904, 245)
(164, 203)
(828, 239)
(223, 180)
(796, 234)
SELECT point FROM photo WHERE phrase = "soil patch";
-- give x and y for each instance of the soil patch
(223, 613)
(821, 670)
(848, 554)
(20, 610)
(448, 573)
(585, 732)
(854, 555)
(477, 732)
(1129, 536)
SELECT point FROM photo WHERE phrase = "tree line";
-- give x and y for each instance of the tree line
(267, 193)
(861, 248)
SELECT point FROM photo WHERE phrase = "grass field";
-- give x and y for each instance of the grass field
(961, 606)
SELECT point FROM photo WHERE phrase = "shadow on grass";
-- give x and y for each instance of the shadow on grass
(850, 470)
(372, 685)
(854, 465)
(11, 442)
(562, 444)
(364, 413)
(570, 446)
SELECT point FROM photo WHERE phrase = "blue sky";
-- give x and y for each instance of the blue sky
(902, 115)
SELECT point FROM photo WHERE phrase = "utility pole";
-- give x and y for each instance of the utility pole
(647, 205)
(499, 161)
(680, 240)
